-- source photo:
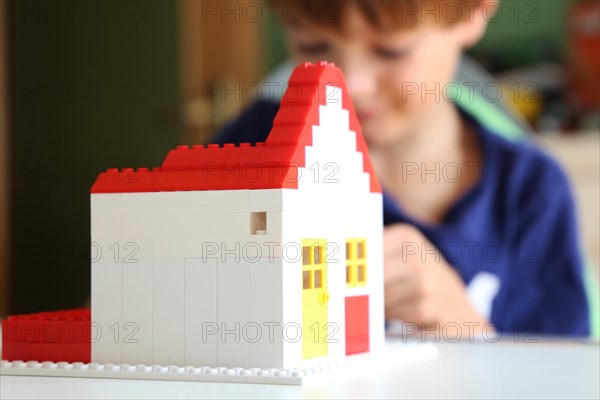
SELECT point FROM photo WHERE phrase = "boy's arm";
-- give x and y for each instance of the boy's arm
(544, 290)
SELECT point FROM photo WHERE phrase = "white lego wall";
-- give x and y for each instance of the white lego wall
(201, 307)
(169, 268)
(346, 226)
(175, 264)
(336, 205)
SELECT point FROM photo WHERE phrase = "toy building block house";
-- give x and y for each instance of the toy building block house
(255, 256)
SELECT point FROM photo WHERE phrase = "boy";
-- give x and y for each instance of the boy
(480, 231)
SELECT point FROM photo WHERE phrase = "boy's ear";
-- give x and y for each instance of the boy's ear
(475, 26)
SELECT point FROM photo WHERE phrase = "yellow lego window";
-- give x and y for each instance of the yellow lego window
(356, 262)
(313, 262)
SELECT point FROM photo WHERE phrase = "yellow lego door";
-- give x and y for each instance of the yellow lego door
(314, 298)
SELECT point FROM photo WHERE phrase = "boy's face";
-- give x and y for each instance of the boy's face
(396, 78)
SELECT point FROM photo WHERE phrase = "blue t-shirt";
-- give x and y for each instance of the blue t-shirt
(517, 224)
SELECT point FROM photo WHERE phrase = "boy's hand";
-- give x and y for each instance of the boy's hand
(420, 286)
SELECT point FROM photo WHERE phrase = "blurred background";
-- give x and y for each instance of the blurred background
(88, 85)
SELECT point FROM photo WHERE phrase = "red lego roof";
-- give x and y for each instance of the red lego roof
(269, 165)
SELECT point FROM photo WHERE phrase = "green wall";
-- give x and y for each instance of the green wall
(525, 31)
(91, 85)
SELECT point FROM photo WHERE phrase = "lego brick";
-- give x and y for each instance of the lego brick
(106, 223)
(50, 330)
(203, 198)
(218, 246)
(332, 160)
(11, 331)
(106, 311)
(353, 366)
(273, 200)
(343, 140)
(296, 137)
(345, 215)
(334, 119)
(132, 247)
(357, 324)
(181, 181)
(139, 221)
(290, 200)
(333, 96)
(336, 145)
(21, 329)
(332, 178)
(309, 73)
(16, 351)
(234, 312)
(184, 221)
(66, 326)
(244, 162)
(275, 223)
(336, 284)
(292, 310)
(228, 223)
(257, 177)
(137, 303)
(302, 95)
(110, 249)
(266, 200)
(361, 146)
(168, 317)
(68, 352)
(292, 115)
(201, 318)
(182, 158)
(126, 180)
(105, 199)
(213, 156)
(191, 246)
(266, 316)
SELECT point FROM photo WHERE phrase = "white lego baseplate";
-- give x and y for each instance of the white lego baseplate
(395, 354)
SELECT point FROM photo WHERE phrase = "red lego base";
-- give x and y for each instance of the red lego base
(49, 336)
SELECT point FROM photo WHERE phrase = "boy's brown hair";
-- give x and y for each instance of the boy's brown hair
(381, 14)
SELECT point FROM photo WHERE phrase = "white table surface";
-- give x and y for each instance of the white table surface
(550, 369)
